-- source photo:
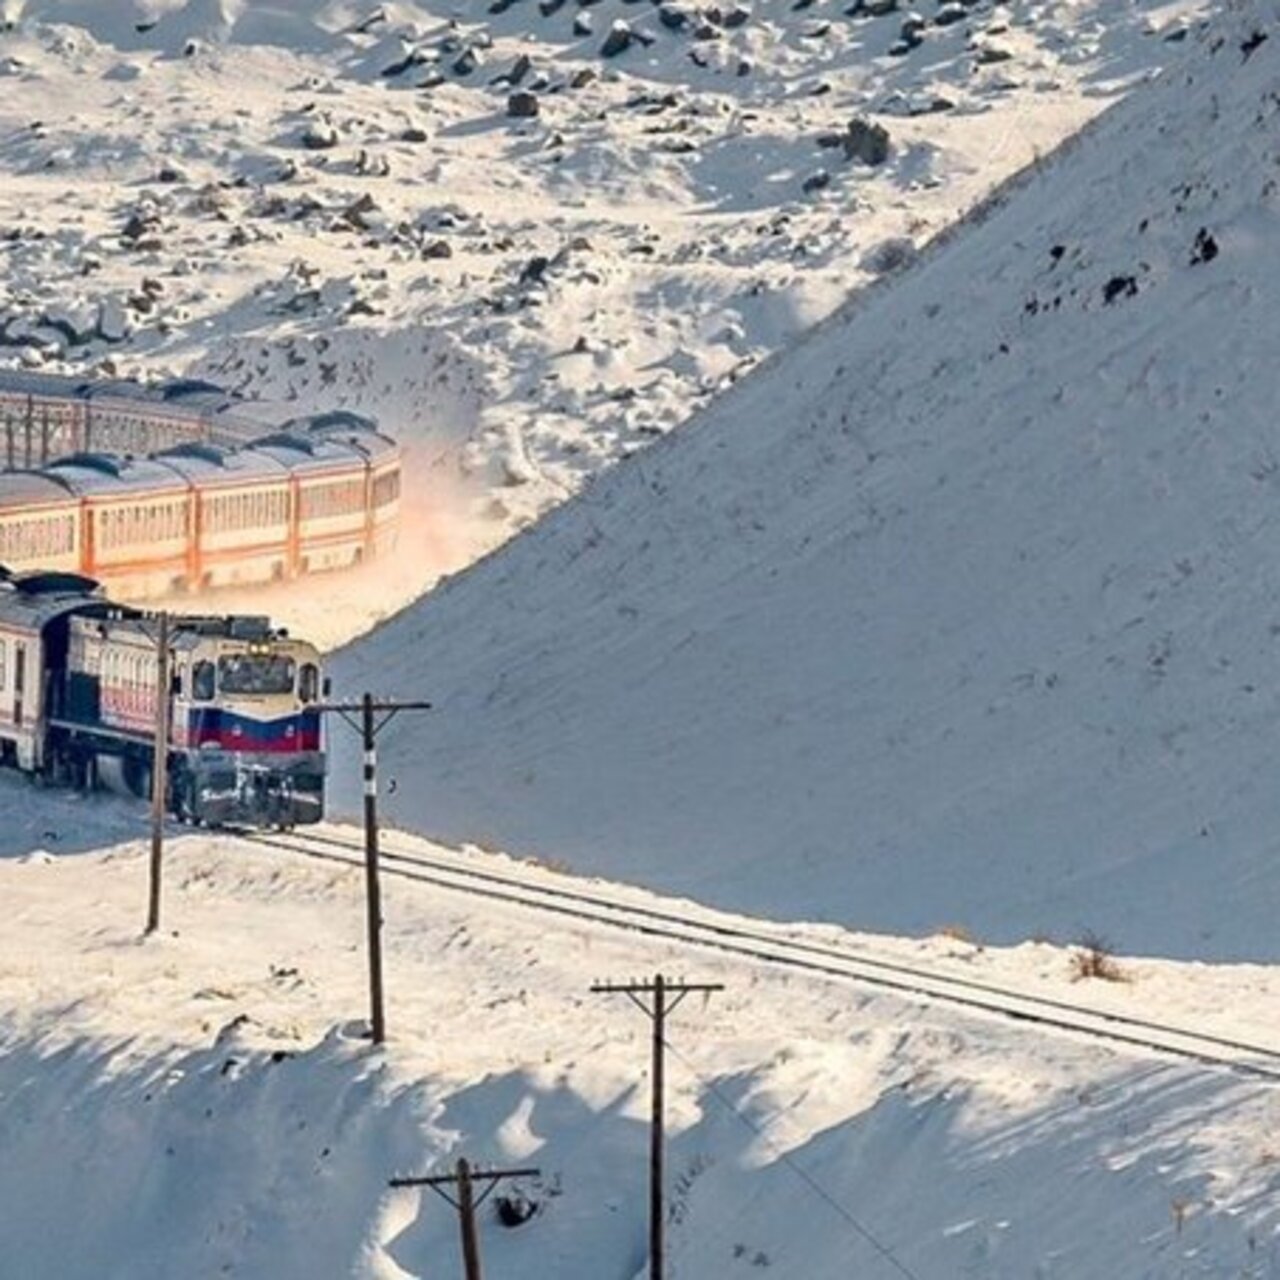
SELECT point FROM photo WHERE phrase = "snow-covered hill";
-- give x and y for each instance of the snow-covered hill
(201, 1104)
(962, 611)
(329, 202)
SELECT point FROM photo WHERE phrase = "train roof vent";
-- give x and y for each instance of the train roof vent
(339, 420)
(211, 453)
(286, 440)
(101, 462)
(180, 387)
(249, 627)
(53, 583)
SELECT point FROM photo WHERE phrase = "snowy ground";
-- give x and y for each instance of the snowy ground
(961, 611)
(527, 300)
(958, 615)
(205, 1101)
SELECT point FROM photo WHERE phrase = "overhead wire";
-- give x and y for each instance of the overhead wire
(885, 1251)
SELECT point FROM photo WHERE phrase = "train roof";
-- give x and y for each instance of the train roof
(212, 465)
(302, 451)
(91, 474)
(24, 383)
(352, 429)
(32, 489)
(31, 600)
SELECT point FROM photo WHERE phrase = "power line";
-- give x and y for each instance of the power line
(802, 1173)
(666, 995)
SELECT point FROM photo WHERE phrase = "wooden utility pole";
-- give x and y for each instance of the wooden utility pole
(467, 1202)
(159, 774)
(666, 996)
(374, 716)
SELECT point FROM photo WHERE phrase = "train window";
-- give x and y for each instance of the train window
(309, 682)
(203, 682)
(255, 673)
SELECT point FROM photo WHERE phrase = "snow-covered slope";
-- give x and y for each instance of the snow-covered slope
(329, 202)
(201, 1104)
(962, 611)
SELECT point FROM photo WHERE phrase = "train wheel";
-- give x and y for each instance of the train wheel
(184, 800)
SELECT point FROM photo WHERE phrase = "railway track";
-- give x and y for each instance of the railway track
(772, 945)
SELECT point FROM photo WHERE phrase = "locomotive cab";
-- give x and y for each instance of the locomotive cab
(246, 728)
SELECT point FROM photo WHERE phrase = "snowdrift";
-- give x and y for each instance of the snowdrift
(964, 610)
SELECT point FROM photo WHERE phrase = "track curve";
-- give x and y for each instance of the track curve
(768, 945)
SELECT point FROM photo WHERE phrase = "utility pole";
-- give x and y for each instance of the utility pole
(374, 716)
(159, 774)
(666, 996)
(466, 1203)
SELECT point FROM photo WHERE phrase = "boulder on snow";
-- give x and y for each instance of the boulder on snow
(866, 141)
(320, 134)
(114, 321)
(522, 105)
(889, 255)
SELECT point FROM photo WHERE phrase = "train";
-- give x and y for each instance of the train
(79, 701)
(44, 416)
(319, 492)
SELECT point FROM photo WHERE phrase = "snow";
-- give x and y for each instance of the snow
(611, 265)
(960, 611)
(203, 1101)
(951, 619)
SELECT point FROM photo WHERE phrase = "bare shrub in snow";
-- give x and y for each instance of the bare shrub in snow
(1092, 958)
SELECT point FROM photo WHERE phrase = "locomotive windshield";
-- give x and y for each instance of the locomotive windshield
(255, 673)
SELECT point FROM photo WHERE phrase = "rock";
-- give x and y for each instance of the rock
(1205, 248)
(373, 166)
(414, 134)
(519, 69)
(672, 17)
(522, 105)
(580, 79)
(950, 13)
(77, 323)
(889, 255)
(582, 24)
(744, 68)
(437, 249)
(548, 7)
(901, 104)
(114, 323)
(816, 182)
(535, 270)
(406, 62)
(879, 8)
(866, 141)
(992, 53)
(142, 223)
(736, 17)
(912, 31)
(320, 135)
(467, 62)
(169, 173)
(361, 214)
(619, 40)
(1119, 287)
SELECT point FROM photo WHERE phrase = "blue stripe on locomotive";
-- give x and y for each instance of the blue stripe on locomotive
(235, 732)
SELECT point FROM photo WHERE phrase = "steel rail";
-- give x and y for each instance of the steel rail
(830, 962)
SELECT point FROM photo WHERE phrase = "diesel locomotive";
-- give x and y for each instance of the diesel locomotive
(78, 703)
